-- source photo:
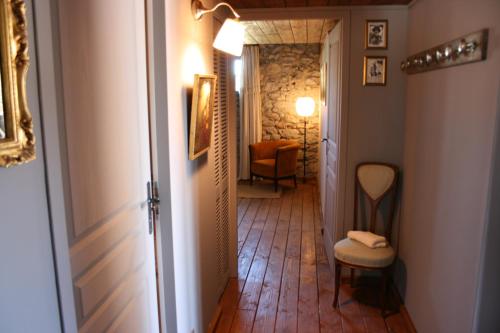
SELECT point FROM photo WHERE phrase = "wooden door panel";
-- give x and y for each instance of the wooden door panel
(132, 319)
(103, 55)
(102, 240)
(105, 275)
(115, 303)
(104, 73)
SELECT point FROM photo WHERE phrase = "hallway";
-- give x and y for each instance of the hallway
(284, 280)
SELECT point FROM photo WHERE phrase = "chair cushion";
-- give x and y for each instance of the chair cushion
(356, 253)
(264, 167)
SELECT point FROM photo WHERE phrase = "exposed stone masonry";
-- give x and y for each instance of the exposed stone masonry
(286, 73)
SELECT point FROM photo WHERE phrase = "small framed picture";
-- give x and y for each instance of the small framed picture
(374, 71)
(376, 34)
(202, 112)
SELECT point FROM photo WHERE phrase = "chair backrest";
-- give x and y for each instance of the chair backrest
(286, 159)
(267, 149)
(376, 180)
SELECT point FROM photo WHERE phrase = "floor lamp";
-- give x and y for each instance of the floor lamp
(305, 108)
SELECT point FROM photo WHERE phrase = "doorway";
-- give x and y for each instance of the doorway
(281, 251)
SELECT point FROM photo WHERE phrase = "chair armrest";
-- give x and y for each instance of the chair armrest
(286, 160)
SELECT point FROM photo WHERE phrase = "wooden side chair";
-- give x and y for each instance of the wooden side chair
(376, 181)
(274, 160)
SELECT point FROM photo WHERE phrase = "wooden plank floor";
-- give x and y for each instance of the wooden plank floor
(284, 282)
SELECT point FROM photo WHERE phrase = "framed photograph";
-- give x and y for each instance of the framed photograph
(202, 112)
(374, 71)
(323, 76)
(376, 34)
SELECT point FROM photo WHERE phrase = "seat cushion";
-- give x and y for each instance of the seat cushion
(356, 253)
(264, 167)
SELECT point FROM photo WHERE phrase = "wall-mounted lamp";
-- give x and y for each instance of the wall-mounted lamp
(305, 108)
(231, 35)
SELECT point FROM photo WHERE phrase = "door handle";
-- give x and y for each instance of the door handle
(324, 140)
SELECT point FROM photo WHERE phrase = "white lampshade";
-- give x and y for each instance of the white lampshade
(230, 37)
(305, 106)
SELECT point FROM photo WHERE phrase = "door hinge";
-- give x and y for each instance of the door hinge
(153, 204)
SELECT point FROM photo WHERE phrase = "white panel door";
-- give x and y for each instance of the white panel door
(103, 54)
(330, 142)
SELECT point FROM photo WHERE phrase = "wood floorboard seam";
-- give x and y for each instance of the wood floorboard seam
(283, 266)
(243, 213)
(267, 263)
(253, 257)
(300, 262)
(316, 260)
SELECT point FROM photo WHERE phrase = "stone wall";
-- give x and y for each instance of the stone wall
(287, 72)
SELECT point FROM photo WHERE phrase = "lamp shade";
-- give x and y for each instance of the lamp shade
(305, 106)
(230, 37)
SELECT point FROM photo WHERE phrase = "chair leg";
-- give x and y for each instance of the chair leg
(384, 289)
(276, 185)
(338, 269)
(352, 277)
(295, 181)
(251, 179)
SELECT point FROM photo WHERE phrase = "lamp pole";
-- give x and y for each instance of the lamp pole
(305, 147)
(305, 108)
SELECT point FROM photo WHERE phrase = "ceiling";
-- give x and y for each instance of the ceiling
(287, 31)
(311, 3)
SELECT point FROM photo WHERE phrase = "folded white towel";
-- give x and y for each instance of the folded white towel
(369, 239)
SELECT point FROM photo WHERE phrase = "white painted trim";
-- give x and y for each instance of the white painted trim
(233, 172)
(160, 160)
(46, 20)
(344, 125)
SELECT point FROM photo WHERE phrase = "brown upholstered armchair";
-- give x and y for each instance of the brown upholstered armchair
(274, 160)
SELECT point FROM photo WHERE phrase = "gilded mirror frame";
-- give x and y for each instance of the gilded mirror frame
(19, 144)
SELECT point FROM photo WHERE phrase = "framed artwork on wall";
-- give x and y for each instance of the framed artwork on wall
(374, 70)
(376, 32)
(202, 111)
(17, 138)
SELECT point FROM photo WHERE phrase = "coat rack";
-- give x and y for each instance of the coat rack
(463, 50)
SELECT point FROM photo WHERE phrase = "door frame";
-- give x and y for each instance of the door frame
(343, 14)
(47, 44)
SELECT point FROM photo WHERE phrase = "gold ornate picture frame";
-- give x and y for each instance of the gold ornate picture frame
(202, 114)
(17, 144)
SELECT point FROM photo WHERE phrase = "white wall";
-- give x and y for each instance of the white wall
(189, 51)
(28, 295)
(450, 124)
(376, 113)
